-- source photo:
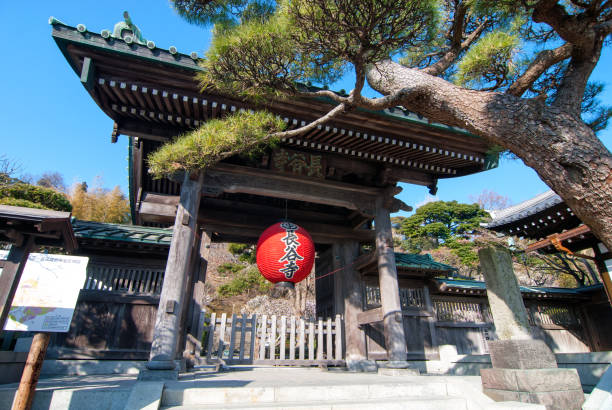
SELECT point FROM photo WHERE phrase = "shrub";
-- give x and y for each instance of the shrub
(237, 248)
(230, 267)
(246, 280)
(21, 202)
(46, 198)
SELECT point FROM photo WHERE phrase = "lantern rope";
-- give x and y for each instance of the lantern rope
(335, 271)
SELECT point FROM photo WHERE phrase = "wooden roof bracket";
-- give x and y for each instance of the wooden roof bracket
(556, 242)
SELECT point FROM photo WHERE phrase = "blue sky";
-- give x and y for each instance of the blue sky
(49, 122)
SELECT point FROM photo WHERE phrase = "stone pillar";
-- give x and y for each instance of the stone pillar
(166, 334)
(393, 323)
(504, 294)
(524, 369)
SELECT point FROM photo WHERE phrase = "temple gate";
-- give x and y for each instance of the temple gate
(338, 181)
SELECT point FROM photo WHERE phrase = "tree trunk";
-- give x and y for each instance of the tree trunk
(560, 147)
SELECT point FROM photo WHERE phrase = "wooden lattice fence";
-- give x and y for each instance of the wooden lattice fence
(264, 339)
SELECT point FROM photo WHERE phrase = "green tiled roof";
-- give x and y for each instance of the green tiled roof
(118, 232)
(423, 262)
(189, 61)
(478, 285)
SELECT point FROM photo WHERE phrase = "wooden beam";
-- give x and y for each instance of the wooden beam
(581, 230)
(263, 183)
(239, 207)
(231, 222)
(88, 74)
(11, 274)
(370, 316)
(141, 129)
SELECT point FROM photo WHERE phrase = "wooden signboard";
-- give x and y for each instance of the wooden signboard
(298, 163)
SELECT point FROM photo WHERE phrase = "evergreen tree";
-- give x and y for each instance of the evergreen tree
(512, 72)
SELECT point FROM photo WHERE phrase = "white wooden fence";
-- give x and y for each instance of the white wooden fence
(263, 339)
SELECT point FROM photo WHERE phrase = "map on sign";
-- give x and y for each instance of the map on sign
(47, 293)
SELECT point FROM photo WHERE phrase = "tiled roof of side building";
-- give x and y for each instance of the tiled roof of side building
(418, 261)
(525, 208)
(479, 285)
(119, 232)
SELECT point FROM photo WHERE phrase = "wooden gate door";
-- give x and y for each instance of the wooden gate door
(272, 340)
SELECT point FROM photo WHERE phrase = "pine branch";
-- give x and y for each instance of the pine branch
(543, 61)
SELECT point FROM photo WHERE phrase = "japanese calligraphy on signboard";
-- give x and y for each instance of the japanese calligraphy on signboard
(298, 163)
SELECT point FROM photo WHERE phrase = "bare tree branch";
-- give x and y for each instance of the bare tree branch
(325, 93)
(339, 109)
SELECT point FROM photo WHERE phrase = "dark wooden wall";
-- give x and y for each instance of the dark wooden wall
(466, 323)
(115, 312)
(108, 325)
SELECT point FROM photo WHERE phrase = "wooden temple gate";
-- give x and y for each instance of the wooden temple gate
(338, 181)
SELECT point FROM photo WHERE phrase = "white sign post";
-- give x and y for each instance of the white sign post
(47, 294)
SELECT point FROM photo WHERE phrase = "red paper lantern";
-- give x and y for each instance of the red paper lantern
(285, 253)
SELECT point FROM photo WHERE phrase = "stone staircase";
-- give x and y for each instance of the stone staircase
(422, 395)
(324, 390)
(264, 388)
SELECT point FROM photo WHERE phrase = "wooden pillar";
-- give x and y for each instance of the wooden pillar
(352, 301)
(395, 338)
(11, 274)
(337, 263)
(31, 372)
(199, 292)
(604, 265)
(185, 320)
(167, 321)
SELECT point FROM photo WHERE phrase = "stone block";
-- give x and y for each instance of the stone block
(398, 372)
(530, 380)
(361, 365)
(394, 364)
(554, 388)
(556, 400)
(158, 375)
(500, 379)
(521, 354)
(545, 380)
(515, 405)
(502, 395)
(145, 396)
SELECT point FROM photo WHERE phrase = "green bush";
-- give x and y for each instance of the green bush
(237, 248)
(21, 202)
(230, 267)
(249, 257)
(43, 198)
(246, 280)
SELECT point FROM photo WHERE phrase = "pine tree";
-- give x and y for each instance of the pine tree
(515, 73)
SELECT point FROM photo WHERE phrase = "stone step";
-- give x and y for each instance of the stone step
(185, 396)
(413, 403)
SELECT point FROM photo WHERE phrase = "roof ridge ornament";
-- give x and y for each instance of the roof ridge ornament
(128, 31)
